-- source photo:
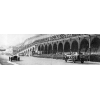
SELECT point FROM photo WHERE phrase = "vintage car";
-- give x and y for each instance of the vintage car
(17, 58)
(68, 57)
(75, 57)
(78, 57)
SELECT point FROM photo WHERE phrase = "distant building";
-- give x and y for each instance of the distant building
(9, 51)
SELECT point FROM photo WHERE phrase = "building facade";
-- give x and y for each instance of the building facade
(60, 44)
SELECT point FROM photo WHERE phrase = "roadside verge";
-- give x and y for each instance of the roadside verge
(12, 63)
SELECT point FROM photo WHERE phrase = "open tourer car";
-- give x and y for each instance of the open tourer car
(68, 57)
(16, 58)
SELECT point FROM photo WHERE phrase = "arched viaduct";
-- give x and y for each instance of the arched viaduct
(86, 43)
(89, 44)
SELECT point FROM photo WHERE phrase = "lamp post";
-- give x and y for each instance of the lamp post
(79, 45)
(70, 45)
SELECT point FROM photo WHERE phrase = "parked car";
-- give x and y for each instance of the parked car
(17, 58)
(68, 57)
(75, 57)
(78, 57)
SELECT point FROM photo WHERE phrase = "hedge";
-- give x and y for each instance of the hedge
(95, 58)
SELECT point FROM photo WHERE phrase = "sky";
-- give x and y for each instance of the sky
(13, 39)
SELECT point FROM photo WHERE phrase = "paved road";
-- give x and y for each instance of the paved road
(39, 61)
(48, 61)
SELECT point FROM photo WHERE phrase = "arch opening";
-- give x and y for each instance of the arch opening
(45, 49)
(74, 46)
(84, 46)
(28, 52)
(39, 48)
(55, 48)
(42, 49)
(67, 47)
(50, 49)
(33, 51)
(95, 45)
(60, 47)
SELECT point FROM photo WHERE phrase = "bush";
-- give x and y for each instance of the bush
(95, 58)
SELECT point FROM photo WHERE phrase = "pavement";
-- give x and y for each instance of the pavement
(4, 60)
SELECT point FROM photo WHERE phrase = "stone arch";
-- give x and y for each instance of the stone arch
(84, 45)
(39, 48)
(28, 52)
(54, 48)
(95, 45)
(25, 53)
(67, 47)
(60, 47)
(42, 49)
(46, 48)
(30, 49)
(33, 51)
(74, 46)
(49, 49)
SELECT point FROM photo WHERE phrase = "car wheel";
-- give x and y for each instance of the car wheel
(82, 60)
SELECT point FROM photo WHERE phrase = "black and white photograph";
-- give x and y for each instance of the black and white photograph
(49, 49)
